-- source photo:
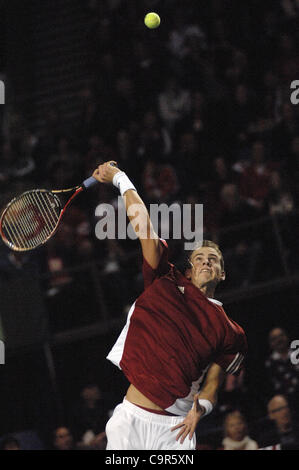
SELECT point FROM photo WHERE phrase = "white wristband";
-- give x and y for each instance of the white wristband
(206, 404)
(122, 182)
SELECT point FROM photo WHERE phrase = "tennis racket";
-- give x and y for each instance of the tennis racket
(31, 219)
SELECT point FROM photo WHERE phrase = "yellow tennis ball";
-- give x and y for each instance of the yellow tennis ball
(152, 20)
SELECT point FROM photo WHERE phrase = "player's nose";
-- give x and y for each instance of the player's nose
(206, 262)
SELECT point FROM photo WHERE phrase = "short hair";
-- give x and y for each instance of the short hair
(205, 243)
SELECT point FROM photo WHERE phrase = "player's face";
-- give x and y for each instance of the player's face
(206, 267)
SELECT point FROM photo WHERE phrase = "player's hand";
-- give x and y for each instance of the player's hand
(105, 172)
(188, 426)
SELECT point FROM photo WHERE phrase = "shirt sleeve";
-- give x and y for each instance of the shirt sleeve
(231, 358)
(150, 274)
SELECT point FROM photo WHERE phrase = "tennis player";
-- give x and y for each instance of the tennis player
(177, 344)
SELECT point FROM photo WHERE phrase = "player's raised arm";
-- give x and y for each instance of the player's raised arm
(136, 211)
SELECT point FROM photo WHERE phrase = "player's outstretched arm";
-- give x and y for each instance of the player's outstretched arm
(136, 211)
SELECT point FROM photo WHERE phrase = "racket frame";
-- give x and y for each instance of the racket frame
(13, 247)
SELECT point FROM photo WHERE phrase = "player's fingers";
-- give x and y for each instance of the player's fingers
(108, 170)
(180, 434)
(177, 426)
(184, 435)
(96, 174)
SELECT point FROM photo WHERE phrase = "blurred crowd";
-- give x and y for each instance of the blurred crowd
(197, 111)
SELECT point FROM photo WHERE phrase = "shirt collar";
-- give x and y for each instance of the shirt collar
(217, 302)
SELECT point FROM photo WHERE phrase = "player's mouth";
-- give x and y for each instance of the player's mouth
(206, 271)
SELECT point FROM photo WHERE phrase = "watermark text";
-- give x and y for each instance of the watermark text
(2, 353)
(295, 94)
(175, 221)
(2, 92)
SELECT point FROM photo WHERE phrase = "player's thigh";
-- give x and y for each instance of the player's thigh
(163, 438)
(121, 430)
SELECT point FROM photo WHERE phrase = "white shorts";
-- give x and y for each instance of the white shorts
(132, 428)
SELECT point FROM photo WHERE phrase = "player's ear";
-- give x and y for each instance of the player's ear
(188, 269)
(223, 276)
(188, 273)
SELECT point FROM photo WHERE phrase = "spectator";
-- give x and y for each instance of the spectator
(174, 103)
(160, 182)
(114, 275)
(204, 122)
(243, 110)
(221, 175)
(154, 140)
(282, 375)
(63, 438)
(89, 418)
(282, 428)
(232, 208)
(236, 433)
(234, 393)
(10, 443)
(280, 200)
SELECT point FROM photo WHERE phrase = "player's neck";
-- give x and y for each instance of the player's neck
(207, 290)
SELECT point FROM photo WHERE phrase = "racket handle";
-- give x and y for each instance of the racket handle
(91, 181)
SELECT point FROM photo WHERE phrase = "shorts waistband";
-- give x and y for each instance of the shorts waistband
(151, 416)
(157, 412)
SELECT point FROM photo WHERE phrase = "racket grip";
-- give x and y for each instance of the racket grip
(89, 182)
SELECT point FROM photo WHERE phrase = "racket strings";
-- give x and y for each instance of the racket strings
(31, 219)
(15, 229)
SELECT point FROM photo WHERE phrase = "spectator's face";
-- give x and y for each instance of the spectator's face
(63, 439)
(279, 411)
(229, 196)
(278, 340)
(235, 427)
(91, 395)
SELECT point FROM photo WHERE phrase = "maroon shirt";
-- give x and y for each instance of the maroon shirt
(172, 335)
